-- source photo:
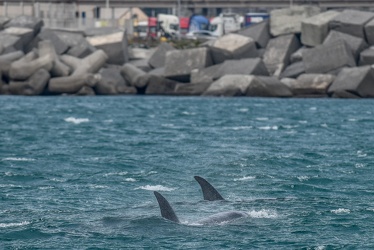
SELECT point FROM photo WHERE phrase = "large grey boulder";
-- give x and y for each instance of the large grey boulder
(288, 20)
(311, 85)
(265, 86)
(351, 22)
(114, 45)
(357, 44)
(158, 58)
(233, 46)
(259, 32)
(367, 57)
(278, 52)
(229, 85)
(90, 64)
(141, 64)
(23, 21)
(315, 29)
(329, 57)
(356, 81)
(35, 85)
(180, 63)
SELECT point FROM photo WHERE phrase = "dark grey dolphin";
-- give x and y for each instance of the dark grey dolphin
(168, 213)
(209, 192)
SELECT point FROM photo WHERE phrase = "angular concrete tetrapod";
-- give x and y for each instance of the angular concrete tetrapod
(35, 85)
(25, 67)
(134, 76)
(229, 85)
(72, 84)
(58, 69)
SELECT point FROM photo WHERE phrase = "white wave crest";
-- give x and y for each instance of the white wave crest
(264, 213)
(155, 188)
(5, 225)
(303, 178)
(341, 211)
(116, 173)
(130, 180)
(262, 119)
(18, 159)
(76, 120)
(245, 178)
(269, 128)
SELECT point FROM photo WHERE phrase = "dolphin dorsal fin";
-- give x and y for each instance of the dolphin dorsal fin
(166, 210)
(209, 192)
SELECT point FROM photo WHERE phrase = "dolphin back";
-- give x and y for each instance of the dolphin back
(209, 192)
(166, 210)
(222, 217)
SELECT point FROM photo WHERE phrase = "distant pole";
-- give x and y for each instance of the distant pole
(5, 9)
(291, 3)
(179, 18)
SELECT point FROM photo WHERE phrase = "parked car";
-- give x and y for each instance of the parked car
(201, 35)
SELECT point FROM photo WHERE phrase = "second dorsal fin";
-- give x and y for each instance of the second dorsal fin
(166, 210)
(209, 192)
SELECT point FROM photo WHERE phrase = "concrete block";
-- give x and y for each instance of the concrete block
(205, 75)
(293, 70)
(7, 40)
(233, 46)
(190, 89)
(315, 29)
(329, 57)
(23, 21)
(158, 85)
(278, 52)
(367, 57)
(311, 85)
(59, 45)
(259, 32)
(140, 53)
(26, 35)
(23, 68)
(141, 64)
(180, 63)
(3, 21)
(71, 84)
(114, 45)
(297, 56)
(351, 22)
(110, 82)
(77, 43)
(157, 60)
(229, 85)
(134, 76)
(265, 86)
(7, 59)
(369, 32)
(357, 81)
(159, 72)
(249, 66)
(357, 44)
(288, 20)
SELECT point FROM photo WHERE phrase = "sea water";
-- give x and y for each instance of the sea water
(79, 172)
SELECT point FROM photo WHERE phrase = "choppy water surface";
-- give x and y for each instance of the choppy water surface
(79, 172)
